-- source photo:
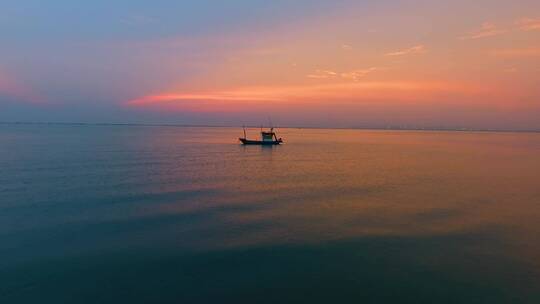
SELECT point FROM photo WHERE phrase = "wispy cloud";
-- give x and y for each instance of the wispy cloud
(323, 74)
(528, 24)
(417, 49)
(358, 74)
(516, 52)
(487, 29)
(350, 75)
(346, 47)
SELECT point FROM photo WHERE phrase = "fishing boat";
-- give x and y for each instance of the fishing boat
(267, 138)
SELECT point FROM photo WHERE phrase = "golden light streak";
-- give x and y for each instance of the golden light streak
(315, 94)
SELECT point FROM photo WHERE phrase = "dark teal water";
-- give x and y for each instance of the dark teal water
(140, 214)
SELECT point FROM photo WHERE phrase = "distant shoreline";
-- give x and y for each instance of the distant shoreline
(390, 128)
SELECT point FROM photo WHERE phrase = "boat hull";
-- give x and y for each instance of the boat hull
(259, 142)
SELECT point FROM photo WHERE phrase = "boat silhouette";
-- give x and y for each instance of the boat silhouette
(267, 138)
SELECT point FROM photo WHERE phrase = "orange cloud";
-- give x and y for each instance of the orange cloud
(486, 30)
(528, 24)
(418, 49)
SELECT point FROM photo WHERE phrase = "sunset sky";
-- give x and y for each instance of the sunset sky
(451, 64)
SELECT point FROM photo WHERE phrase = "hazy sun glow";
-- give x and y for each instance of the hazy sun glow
(475, 64)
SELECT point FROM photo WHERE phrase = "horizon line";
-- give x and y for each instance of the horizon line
(389, 128)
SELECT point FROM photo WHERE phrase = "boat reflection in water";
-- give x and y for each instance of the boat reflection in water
(267, 138)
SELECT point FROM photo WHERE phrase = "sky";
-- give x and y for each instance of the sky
(340, 63)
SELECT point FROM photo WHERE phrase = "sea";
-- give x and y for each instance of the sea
(169, 214)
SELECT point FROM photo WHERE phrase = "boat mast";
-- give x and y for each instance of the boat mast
(244, 127)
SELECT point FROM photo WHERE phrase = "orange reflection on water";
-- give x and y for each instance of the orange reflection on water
(324, 185)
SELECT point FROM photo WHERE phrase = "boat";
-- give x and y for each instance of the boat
(267, 138)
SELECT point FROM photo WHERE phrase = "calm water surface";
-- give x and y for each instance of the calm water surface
(138, 214)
